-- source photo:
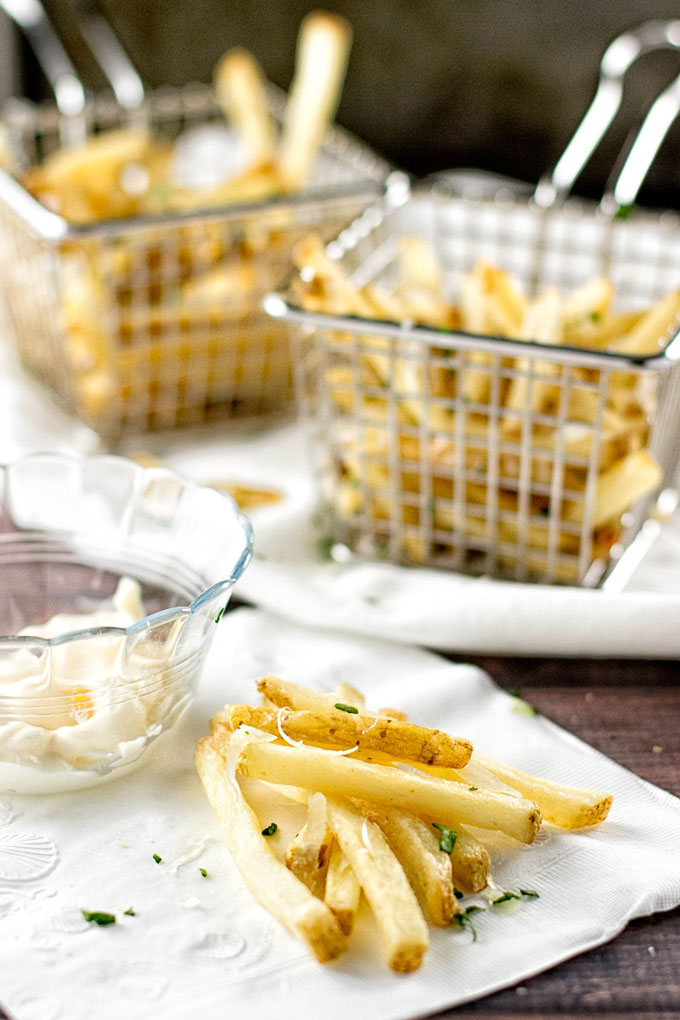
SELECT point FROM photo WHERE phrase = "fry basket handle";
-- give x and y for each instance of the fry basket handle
(619, 56)
(52, 57)
(127, 85)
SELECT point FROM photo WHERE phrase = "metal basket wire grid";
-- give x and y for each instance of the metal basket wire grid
(149, 323)
(421, 456)
(414, 469)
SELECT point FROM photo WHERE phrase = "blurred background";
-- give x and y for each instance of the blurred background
(432, 84)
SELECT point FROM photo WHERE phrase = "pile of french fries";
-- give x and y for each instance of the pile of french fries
(128, 172)
(395, 812)
(163, 324)
(560, 453)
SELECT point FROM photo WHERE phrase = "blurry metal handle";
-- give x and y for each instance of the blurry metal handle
(55, 62)
(126, 84)
(554, 187)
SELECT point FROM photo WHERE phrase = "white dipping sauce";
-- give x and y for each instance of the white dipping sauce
(101, 714)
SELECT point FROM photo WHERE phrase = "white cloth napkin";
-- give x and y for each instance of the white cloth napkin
(468, 615)
(202, 947)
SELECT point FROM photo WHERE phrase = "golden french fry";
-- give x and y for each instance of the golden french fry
(619, 487)
(84, 183)
(427, 867)
(285, 694)
(469, 862)
(654, 328)
(587, 304)
(566, 806)
(323, 49)
(476, 384)
(542, 323)
(402, 928)
(308, 854)
(337, 728)
(350, 695)
(345, 729)
(241, 92)
(601, 332)
(247, 497)
(269, 881)
(435, 799)
(343, 891)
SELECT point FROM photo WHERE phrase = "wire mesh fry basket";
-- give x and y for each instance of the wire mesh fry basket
(151, 322)
(508, 457)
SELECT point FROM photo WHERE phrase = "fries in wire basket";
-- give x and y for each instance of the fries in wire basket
(389, 810)
(176, 219)
(131, 172)
(435, 451)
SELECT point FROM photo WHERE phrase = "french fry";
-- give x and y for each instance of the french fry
(600, 333)
(308, 854)
(322, 53)
(398, 917)
(427, 867)
(618, 487)
(469, 862)
(269, 881)
(623, 483)
(589, 303)
(343, 891)
(241, 92)
(542, 323)
(344, 729)
(396, 832)
(336, 728)
(653, 330)
(566, 806)
(349, 695)
(285, 694)
(435, 799)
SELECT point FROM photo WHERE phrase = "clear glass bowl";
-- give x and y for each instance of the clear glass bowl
(83, 696)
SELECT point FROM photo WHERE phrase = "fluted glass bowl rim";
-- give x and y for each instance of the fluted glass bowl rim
(163, 615)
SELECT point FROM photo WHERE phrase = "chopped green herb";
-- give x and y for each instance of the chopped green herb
(515, 692)
(346, 708)
(432, 507)
(458, 894)
(474, 909)
(370, 600)
(157, 858)
(529, 894)
(504, 897)
(596, 316)
(130, 912)
(98, 917)
(270, 830)
(447, 839)
(220, 614)
(324, 547)
(203, 872)
(624, 211)
(471, 788)
(464, 920)
(544, 511)
(522, 707)
(382, 550)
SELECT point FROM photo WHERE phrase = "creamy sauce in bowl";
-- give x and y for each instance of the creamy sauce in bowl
(87, 708)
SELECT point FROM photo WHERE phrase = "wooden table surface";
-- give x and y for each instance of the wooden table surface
(631, 712)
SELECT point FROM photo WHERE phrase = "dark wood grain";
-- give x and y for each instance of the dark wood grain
(631, 712)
